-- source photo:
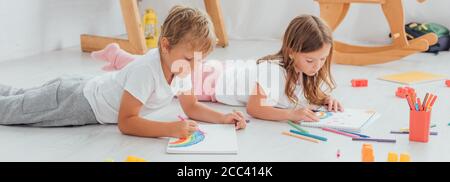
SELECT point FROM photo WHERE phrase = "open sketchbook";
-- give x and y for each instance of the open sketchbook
(349, 120)
(210, 139)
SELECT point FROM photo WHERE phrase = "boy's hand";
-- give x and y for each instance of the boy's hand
(236, 118)
(183, 129)
(333, 105)
(303, 114)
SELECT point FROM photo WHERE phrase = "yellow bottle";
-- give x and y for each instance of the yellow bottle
(150, 21)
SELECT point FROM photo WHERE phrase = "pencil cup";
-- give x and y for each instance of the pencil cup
(419, 126)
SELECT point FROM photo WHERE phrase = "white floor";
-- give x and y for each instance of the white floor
(261, 141)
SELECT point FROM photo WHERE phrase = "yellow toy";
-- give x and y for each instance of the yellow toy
(393, 157)
(134, 159)
(150, 21)
(404, 157)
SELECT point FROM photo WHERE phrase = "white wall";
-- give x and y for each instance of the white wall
(29, 27)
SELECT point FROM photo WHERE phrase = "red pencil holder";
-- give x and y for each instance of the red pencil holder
(419, 126)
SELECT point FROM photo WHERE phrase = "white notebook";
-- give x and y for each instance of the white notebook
(210, 139)
(349, 120)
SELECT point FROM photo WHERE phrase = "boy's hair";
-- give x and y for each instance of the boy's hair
(305, 34)
(189, 25)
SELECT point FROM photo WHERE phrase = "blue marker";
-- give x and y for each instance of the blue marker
(309, 135)
(360, 135)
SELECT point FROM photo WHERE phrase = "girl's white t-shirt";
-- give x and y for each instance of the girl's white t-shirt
(143, 78)
(235, 85)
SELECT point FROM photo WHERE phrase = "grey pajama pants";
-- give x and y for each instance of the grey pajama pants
(57, 103)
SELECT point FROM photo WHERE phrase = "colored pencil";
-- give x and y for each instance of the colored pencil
(432, 102)
(425, 101)
(297, 127)
(408, 99)
(300, 137)
(429, 102)
(246, 121)
(407, 132)
(419, 108)
(425, 104)
(309, 135)
(340, 133)
(374, 140)
(407, 129)
(360, 135)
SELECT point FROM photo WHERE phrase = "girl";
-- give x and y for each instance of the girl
(305, 62)
(284, 86)
(123, 97)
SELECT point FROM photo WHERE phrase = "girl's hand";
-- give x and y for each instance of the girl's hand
(333, 105)
(183, 129)
(236, 118)
(303, 114)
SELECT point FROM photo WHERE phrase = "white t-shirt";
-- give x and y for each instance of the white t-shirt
(235, 85)
(143, 78)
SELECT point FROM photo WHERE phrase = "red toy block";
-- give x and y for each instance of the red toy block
(403, 91)
(360, 83)
(447, 82)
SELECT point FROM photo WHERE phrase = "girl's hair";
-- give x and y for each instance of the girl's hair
(189, 25)
(305, 34)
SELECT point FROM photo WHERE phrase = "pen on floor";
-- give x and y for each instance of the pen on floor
(360, 135)
(300, 137)
(297, 127)
(340, 133)
(374, 140)
(407, 132)
(309, 135)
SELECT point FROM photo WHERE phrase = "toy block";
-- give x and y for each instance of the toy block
(134, 159)
(392, 157)
(447, 82)
(367, 153)
(360, 83)
(403, 91)
(404, 157)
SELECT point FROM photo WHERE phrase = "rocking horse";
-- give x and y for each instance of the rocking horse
(334, 12)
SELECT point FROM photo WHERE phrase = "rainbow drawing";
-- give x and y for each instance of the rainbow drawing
(195, 138)
(323, 115)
